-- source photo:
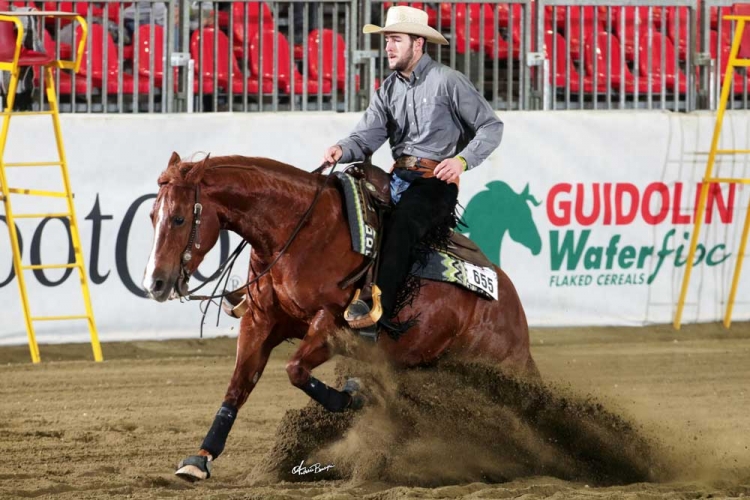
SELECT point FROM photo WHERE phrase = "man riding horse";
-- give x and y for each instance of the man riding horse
(438, 126)
(295, 221)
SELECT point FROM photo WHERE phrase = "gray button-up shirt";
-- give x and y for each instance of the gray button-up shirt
(436, 114)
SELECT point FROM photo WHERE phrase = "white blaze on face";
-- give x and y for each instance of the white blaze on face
(148, 280)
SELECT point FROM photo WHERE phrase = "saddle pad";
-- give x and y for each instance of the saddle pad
(363, 234)
(451, 269)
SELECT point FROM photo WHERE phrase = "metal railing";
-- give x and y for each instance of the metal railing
(234, 55)
(613, 56)
(487, 42)
(288, 55)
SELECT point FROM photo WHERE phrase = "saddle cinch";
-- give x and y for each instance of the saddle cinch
(366, 190)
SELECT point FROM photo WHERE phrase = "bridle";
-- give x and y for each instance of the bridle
(194, 240)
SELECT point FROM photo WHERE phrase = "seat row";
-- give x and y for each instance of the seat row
(215, 63)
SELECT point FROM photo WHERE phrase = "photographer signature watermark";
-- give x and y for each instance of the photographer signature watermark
(301, 469)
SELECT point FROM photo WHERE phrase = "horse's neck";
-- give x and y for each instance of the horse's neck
(263, 206)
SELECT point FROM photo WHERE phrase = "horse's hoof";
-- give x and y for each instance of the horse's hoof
(195, 468)
(353, 387)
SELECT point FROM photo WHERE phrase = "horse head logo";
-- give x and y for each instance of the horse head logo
(499, 210)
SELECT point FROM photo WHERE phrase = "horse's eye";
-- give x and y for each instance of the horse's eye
(178, 221)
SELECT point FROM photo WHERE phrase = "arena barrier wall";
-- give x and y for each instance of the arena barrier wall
(589, 214)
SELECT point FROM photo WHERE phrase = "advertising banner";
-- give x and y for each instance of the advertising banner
(589, 213)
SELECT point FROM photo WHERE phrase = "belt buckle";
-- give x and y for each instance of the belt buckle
(409, 161)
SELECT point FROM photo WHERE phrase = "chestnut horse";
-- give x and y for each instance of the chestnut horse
(263, 201)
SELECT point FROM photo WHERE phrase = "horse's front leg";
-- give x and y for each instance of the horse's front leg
(314, 350)
(254, 345)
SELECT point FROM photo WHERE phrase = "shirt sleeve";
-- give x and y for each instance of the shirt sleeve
(478, 115)
(369, 134)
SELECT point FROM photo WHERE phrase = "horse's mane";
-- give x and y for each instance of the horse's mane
(192, 172)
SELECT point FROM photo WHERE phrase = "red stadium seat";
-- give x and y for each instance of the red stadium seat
(101, 43)
(559, 73)
(671, 74)
(743, 10)
(226, 77)
(26, 57)
(66, 83)
(284, 69)
(148, 51)
(607, 48)
(64, 78)
(313, 45)
(478, 42)
(581, 19)
(720, 54)
(679, 37)
(244, 31)
(631, 34)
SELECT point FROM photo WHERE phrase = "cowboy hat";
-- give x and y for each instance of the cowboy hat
(402, 19)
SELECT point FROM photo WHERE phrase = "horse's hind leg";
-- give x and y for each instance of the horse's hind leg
(312, 352)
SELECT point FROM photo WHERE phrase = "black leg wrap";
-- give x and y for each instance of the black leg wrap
(329, 398)
(217, 435)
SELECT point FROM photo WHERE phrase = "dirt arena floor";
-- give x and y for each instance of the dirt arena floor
(669, 411)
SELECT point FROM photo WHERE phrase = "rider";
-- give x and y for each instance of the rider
(438, 126)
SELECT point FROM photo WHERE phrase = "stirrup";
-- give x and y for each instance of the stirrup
(236, 311)
(359, 315)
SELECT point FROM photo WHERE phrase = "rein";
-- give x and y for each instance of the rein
(195, 239)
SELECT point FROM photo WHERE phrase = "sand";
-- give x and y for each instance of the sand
(622, 413)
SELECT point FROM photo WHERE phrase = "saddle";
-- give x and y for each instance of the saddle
(367, 197)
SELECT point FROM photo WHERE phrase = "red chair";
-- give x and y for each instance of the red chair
(678, 38)
(500, 48)
(743, 9)
(226, 77)
(26, 57)
(561, 76)
(100, 43)
(148, 51)
(66, 81)
(580, 18)
(283, 65)
(720, 53)
(607, 48)
(629, 36)
(675, 79)
(313, 46)
(243, 32)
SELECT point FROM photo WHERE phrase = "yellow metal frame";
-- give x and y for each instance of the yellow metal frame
(708, 179)
(14, 69)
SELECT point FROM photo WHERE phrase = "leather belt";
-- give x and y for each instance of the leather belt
(415, 163)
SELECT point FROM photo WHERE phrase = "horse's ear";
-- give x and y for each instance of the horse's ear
(174, 159)
(525, 191)
(195, 175)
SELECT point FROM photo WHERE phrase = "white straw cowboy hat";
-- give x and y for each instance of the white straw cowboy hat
(402, 19)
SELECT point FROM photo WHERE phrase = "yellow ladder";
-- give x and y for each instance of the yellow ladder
(709, 179)
(14, 68)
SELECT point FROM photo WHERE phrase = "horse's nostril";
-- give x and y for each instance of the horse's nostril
(158, 286)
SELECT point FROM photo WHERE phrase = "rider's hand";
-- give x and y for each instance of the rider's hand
(449, 170)
(333, 154)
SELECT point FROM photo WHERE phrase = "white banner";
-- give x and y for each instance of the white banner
(590, 214)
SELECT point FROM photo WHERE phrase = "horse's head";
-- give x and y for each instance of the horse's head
(186, 227)
(522, 229)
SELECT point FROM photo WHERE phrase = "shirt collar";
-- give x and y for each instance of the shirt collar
(419, 69)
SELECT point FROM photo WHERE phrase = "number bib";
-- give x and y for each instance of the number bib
(483, 278)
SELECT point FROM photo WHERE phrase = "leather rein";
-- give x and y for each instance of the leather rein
(194, 240)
